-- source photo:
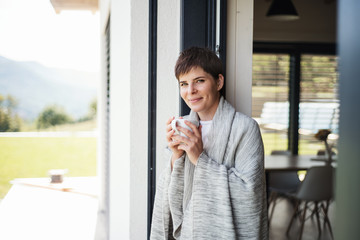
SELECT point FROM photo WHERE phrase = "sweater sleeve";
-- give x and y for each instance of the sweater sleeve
(233, 199)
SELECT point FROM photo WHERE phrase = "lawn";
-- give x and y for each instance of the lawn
(278, 141)
(24, 157)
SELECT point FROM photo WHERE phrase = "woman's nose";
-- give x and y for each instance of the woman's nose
(191, 88)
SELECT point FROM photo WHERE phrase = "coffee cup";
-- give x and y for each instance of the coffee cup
(181, 122)
(57, 175)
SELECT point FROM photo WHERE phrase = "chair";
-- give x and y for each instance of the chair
(317, 188)
(281, 184)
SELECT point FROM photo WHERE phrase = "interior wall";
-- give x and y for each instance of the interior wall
(167, 86)
(126, 216)
(239, 45)
(139, 118)
(317, 22)
(120, 115)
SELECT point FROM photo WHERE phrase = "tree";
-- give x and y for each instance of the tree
(51, 116)
(9, 120)
(91, 113)
(93, 108)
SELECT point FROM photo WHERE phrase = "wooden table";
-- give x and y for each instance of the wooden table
(293, 163)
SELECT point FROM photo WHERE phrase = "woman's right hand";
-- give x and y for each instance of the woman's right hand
(173, 145)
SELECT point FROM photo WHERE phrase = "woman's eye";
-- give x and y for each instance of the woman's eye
(183, 84)
(200, 80)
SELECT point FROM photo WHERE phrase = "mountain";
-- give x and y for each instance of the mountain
(36, 86)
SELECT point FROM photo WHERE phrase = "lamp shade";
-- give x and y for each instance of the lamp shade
(282, 10)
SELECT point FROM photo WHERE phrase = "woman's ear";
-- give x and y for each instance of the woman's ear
(220, 82)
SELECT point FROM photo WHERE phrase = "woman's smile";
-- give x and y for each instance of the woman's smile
(194, 100)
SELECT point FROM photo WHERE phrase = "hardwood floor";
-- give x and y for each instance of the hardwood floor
(281, 218)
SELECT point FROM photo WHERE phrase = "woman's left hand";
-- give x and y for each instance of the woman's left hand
(192, 144)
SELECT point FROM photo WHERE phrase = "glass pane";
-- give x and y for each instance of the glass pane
(270, 105)
(319, 104)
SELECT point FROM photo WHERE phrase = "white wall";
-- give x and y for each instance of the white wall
(239, 54)
(139, 118)
(317, 22)
(167, 86)
(128, 118)
(120, 120)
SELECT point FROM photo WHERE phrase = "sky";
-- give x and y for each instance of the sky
(30, 30)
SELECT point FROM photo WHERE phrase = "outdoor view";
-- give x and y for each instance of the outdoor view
(318, 108)
(49, 70)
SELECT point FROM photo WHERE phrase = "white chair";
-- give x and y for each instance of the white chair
(280, 184)
(317, 188)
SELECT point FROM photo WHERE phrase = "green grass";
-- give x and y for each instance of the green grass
(277, 141)
(24, 157)
(79, 126)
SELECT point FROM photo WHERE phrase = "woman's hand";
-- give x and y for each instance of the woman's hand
(192, 144)
(172, 144)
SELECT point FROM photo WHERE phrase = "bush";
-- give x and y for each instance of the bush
(52, 116)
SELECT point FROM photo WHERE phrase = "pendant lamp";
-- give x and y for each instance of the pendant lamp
(282, 10)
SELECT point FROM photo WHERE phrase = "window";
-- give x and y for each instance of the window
(297, 82)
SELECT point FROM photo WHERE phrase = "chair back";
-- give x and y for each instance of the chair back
(286, 181)
(317, 185)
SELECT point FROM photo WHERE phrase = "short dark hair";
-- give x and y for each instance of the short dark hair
(198, 57)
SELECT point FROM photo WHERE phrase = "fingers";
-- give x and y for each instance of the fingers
(194, 129)
(169, 128)
(188, 133)
(180, 138)
(169, 135)
(173, 144)
(170, 120)
(186, 141)
(193, 148)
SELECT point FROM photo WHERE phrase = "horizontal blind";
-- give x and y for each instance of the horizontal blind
(270, 94)
(319, 101)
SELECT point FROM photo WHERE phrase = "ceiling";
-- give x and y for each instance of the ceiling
(60, 5)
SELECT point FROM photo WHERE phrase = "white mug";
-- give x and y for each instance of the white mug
(181, 122)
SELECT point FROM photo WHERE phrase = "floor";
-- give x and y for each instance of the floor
(281, 219)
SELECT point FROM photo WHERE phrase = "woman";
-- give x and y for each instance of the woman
(214, 184)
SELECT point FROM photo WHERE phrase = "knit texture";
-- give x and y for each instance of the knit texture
(223, 196)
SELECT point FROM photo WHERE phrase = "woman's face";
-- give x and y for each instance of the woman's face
(200, 91)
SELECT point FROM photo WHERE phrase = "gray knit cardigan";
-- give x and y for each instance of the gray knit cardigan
(223, 196)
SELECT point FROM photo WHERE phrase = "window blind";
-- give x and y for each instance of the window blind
(319, 104)
(270, 98)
